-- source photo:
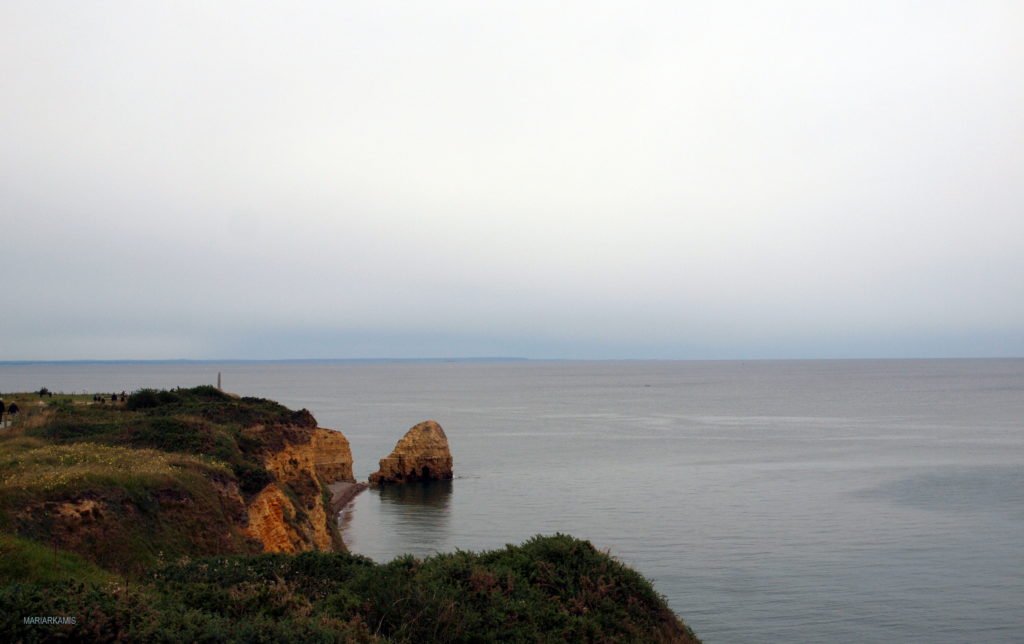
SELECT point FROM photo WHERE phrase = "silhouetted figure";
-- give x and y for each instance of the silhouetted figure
(12, 410)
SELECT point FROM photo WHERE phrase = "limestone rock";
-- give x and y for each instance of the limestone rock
(272, 522)
(421, 455)
(332, 456)
(306, 460)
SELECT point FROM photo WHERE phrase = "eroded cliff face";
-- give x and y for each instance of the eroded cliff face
(421, 455)
(272, 522)
(113, 527)
(332, 456)
(205, 509)
(293, 514)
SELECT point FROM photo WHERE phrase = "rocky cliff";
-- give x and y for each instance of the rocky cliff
(303, 461)
(421, 455)
(181, 472)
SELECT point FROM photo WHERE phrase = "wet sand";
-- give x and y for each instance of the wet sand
(342, 493)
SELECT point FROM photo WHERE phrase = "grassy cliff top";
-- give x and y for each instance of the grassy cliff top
(203, 422)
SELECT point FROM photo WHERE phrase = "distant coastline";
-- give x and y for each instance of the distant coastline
(489, 360)
(269, 361)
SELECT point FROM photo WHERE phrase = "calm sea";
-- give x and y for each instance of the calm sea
(796, 500)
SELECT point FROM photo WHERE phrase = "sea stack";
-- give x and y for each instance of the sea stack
(421, 455)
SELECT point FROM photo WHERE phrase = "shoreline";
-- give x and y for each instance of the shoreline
(342, 493)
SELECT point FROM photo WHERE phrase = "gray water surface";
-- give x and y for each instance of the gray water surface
(790, 500)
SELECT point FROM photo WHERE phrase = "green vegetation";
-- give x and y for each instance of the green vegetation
(23, 561)
(120, 483)
(32, 468)
(128, 517)
(201, 421)
(548, 589)
(118, 506)
(216, 406)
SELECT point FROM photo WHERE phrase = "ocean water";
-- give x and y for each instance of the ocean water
(805, 501)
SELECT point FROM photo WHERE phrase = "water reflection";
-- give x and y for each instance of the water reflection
(435, 494)
(412, 518)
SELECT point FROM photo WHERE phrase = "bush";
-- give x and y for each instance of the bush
(171, 435)
(148, 399)
(251, 478)
(205, 392)
(554, 588)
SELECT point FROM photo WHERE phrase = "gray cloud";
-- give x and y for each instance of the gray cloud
(594, 180)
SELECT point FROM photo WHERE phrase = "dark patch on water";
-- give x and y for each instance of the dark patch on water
(996, 488)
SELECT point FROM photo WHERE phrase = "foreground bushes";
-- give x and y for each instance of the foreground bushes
(549, 589)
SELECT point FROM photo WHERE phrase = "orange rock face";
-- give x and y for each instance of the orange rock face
(272, 521)
(304, 452)
(421, 455)
(305, 460)
(332, 456)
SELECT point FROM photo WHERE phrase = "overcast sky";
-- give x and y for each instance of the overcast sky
(576, 179)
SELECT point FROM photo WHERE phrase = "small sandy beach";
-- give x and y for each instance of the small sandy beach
(342, 493)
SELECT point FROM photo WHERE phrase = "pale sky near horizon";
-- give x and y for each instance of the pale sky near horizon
(575, 180)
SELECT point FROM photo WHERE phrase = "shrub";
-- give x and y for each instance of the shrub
(143, 399)
(555, 588)
(251, 478)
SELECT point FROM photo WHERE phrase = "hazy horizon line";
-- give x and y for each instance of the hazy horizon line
(482, 359)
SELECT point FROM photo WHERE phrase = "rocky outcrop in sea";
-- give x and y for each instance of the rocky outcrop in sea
(421, 455)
